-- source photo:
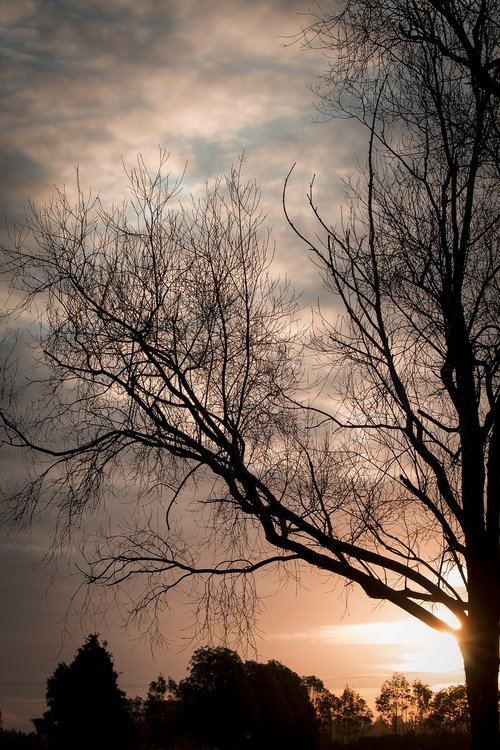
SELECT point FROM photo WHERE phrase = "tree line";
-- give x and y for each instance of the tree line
(225, 702)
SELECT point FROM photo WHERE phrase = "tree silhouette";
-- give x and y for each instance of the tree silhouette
(421, 700)
(324, 703)
(225, 702)
(215, 699)
(449, 710)
(351, 716)
(136, 709)
(86, 706)
(168, 355)
(285, 716)
(161, 713)
(394, 701)
(415, 267)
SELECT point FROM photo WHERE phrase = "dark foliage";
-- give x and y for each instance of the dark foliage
(161, 713)
(12, 740)
(407, 742)
(228, 703)
(216, 700)
(285, 716)
(86, 707)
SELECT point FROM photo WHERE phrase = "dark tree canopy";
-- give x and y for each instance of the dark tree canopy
(285, 716)
(215, 698)
(160, 721)
(228, 703)
(449, 712)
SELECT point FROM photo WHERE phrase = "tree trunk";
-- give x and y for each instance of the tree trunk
(480, 649)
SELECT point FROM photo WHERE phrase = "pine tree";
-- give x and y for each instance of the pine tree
(86, 706)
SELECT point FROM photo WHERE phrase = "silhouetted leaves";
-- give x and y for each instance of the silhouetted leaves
(216, 699)
(230, 704)
(86, 707)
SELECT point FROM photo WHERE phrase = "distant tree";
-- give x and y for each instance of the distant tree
(421, 699)
(394, 701)
(351, 716)
(11, 739)
(303, 727)
(161, 713)
(44, 728)
(273, 719)
(227, 703)
(323, 701)
(136, 709)
(449, 710)
(215, 699)
(86, 707)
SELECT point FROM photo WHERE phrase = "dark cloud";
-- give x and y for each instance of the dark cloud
(20, 174)
(55, 32)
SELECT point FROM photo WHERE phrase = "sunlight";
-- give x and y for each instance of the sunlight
(418, 648)
(455, 579)
(427, 650)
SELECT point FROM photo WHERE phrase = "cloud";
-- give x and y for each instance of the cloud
(158, 76)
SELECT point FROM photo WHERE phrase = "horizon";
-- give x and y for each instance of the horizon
(356, 650)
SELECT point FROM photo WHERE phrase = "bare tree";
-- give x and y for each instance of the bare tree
(171, 358)
(162, 360)
(463, 33)
(415, 265)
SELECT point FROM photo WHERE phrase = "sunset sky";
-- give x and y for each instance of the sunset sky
(92, 84)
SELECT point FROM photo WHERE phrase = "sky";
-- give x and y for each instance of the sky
(92, 84)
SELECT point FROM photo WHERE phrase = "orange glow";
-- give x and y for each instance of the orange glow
(417, 647)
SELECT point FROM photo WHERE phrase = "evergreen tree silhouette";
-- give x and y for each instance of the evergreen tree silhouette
(86, 706)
